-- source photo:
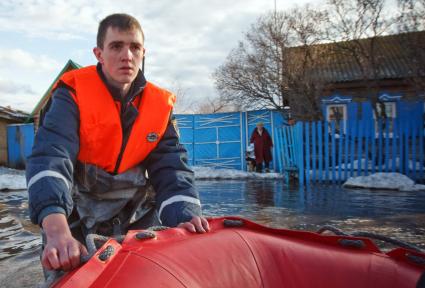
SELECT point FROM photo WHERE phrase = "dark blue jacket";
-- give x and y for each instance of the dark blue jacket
(51, 166)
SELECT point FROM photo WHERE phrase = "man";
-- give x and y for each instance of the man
(105, 128)
(262, 147)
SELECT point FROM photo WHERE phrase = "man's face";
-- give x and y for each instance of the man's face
(121, 55)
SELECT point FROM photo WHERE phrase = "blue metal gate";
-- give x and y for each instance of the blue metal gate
(219, 140)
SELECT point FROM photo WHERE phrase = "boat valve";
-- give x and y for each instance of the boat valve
(145, 235)
(233, 223)
(105, 254)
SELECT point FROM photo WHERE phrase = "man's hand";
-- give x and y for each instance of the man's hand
(62, 251)
(197, 224)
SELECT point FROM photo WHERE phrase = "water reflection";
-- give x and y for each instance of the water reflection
(392, 213)
(17, 234)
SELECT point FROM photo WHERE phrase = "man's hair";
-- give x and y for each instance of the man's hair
(123, 22)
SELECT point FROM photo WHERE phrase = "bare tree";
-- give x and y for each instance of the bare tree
(264, 72)
(214, 105)
(184, 102)
(350, 23)
(410, 21)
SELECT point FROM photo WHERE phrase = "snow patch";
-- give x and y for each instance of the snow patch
(390, 181)
(12, 182)
(11, 179)
(211, 173)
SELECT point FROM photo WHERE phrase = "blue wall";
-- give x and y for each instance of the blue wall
(20, 138)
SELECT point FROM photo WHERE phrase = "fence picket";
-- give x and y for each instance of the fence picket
(366, 147)
(359, 148)
(414, 162)
(300, 153)
(347, 135)
(280, 147)
(307, 152)
(380, 150)
(394, 146)
(406, 149)
(320, 151)
(340, 140)
(387, 143)
(326, 136)
(421, 152)
(333, 151)
(313, 150)
(323, 154)
(353, 147)
(400, 143)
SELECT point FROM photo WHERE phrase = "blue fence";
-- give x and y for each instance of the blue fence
(220, 140)
(334, 151)
(215, 140)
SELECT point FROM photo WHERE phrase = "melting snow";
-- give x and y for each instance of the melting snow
(390, 181)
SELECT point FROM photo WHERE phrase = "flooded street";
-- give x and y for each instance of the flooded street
(270, 202)
(391, 213)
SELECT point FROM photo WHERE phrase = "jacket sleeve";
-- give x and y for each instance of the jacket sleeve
(177, 199)
(49, 169)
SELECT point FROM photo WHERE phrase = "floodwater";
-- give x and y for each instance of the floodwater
(392, 213)
(396, 214)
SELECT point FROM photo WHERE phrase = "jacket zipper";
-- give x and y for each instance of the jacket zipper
(124, 143)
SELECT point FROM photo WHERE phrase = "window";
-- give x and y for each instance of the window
(390, 114)
(336, 112)
(390, 109)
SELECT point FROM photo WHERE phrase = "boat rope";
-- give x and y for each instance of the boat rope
(91, 241)
(370, 235)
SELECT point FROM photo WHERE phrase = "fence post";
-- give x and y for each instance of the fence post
(279, 149)
(300, 149)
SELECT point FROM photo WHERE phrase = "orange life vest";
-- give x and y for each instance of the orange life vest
(101, 134)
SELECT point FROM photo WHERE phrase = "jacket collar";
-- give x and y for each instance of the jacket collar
(136, 87)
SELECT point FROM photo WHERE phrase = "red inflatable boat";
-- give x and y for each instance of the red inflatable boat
(240, 253)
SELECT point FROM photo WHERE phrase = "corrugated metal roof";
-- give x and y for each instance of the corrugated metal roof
(12, 114)
(392, 55)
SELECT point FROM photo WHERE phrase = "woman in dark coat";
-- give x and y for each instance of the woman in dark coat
(262, 147)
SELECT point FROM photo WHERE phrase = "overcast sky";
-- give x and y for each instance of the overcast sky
(185, 40)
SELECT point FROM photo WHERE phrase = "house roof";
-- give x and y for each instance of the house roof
(70, 65)
(394, 55)
(12, 114)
